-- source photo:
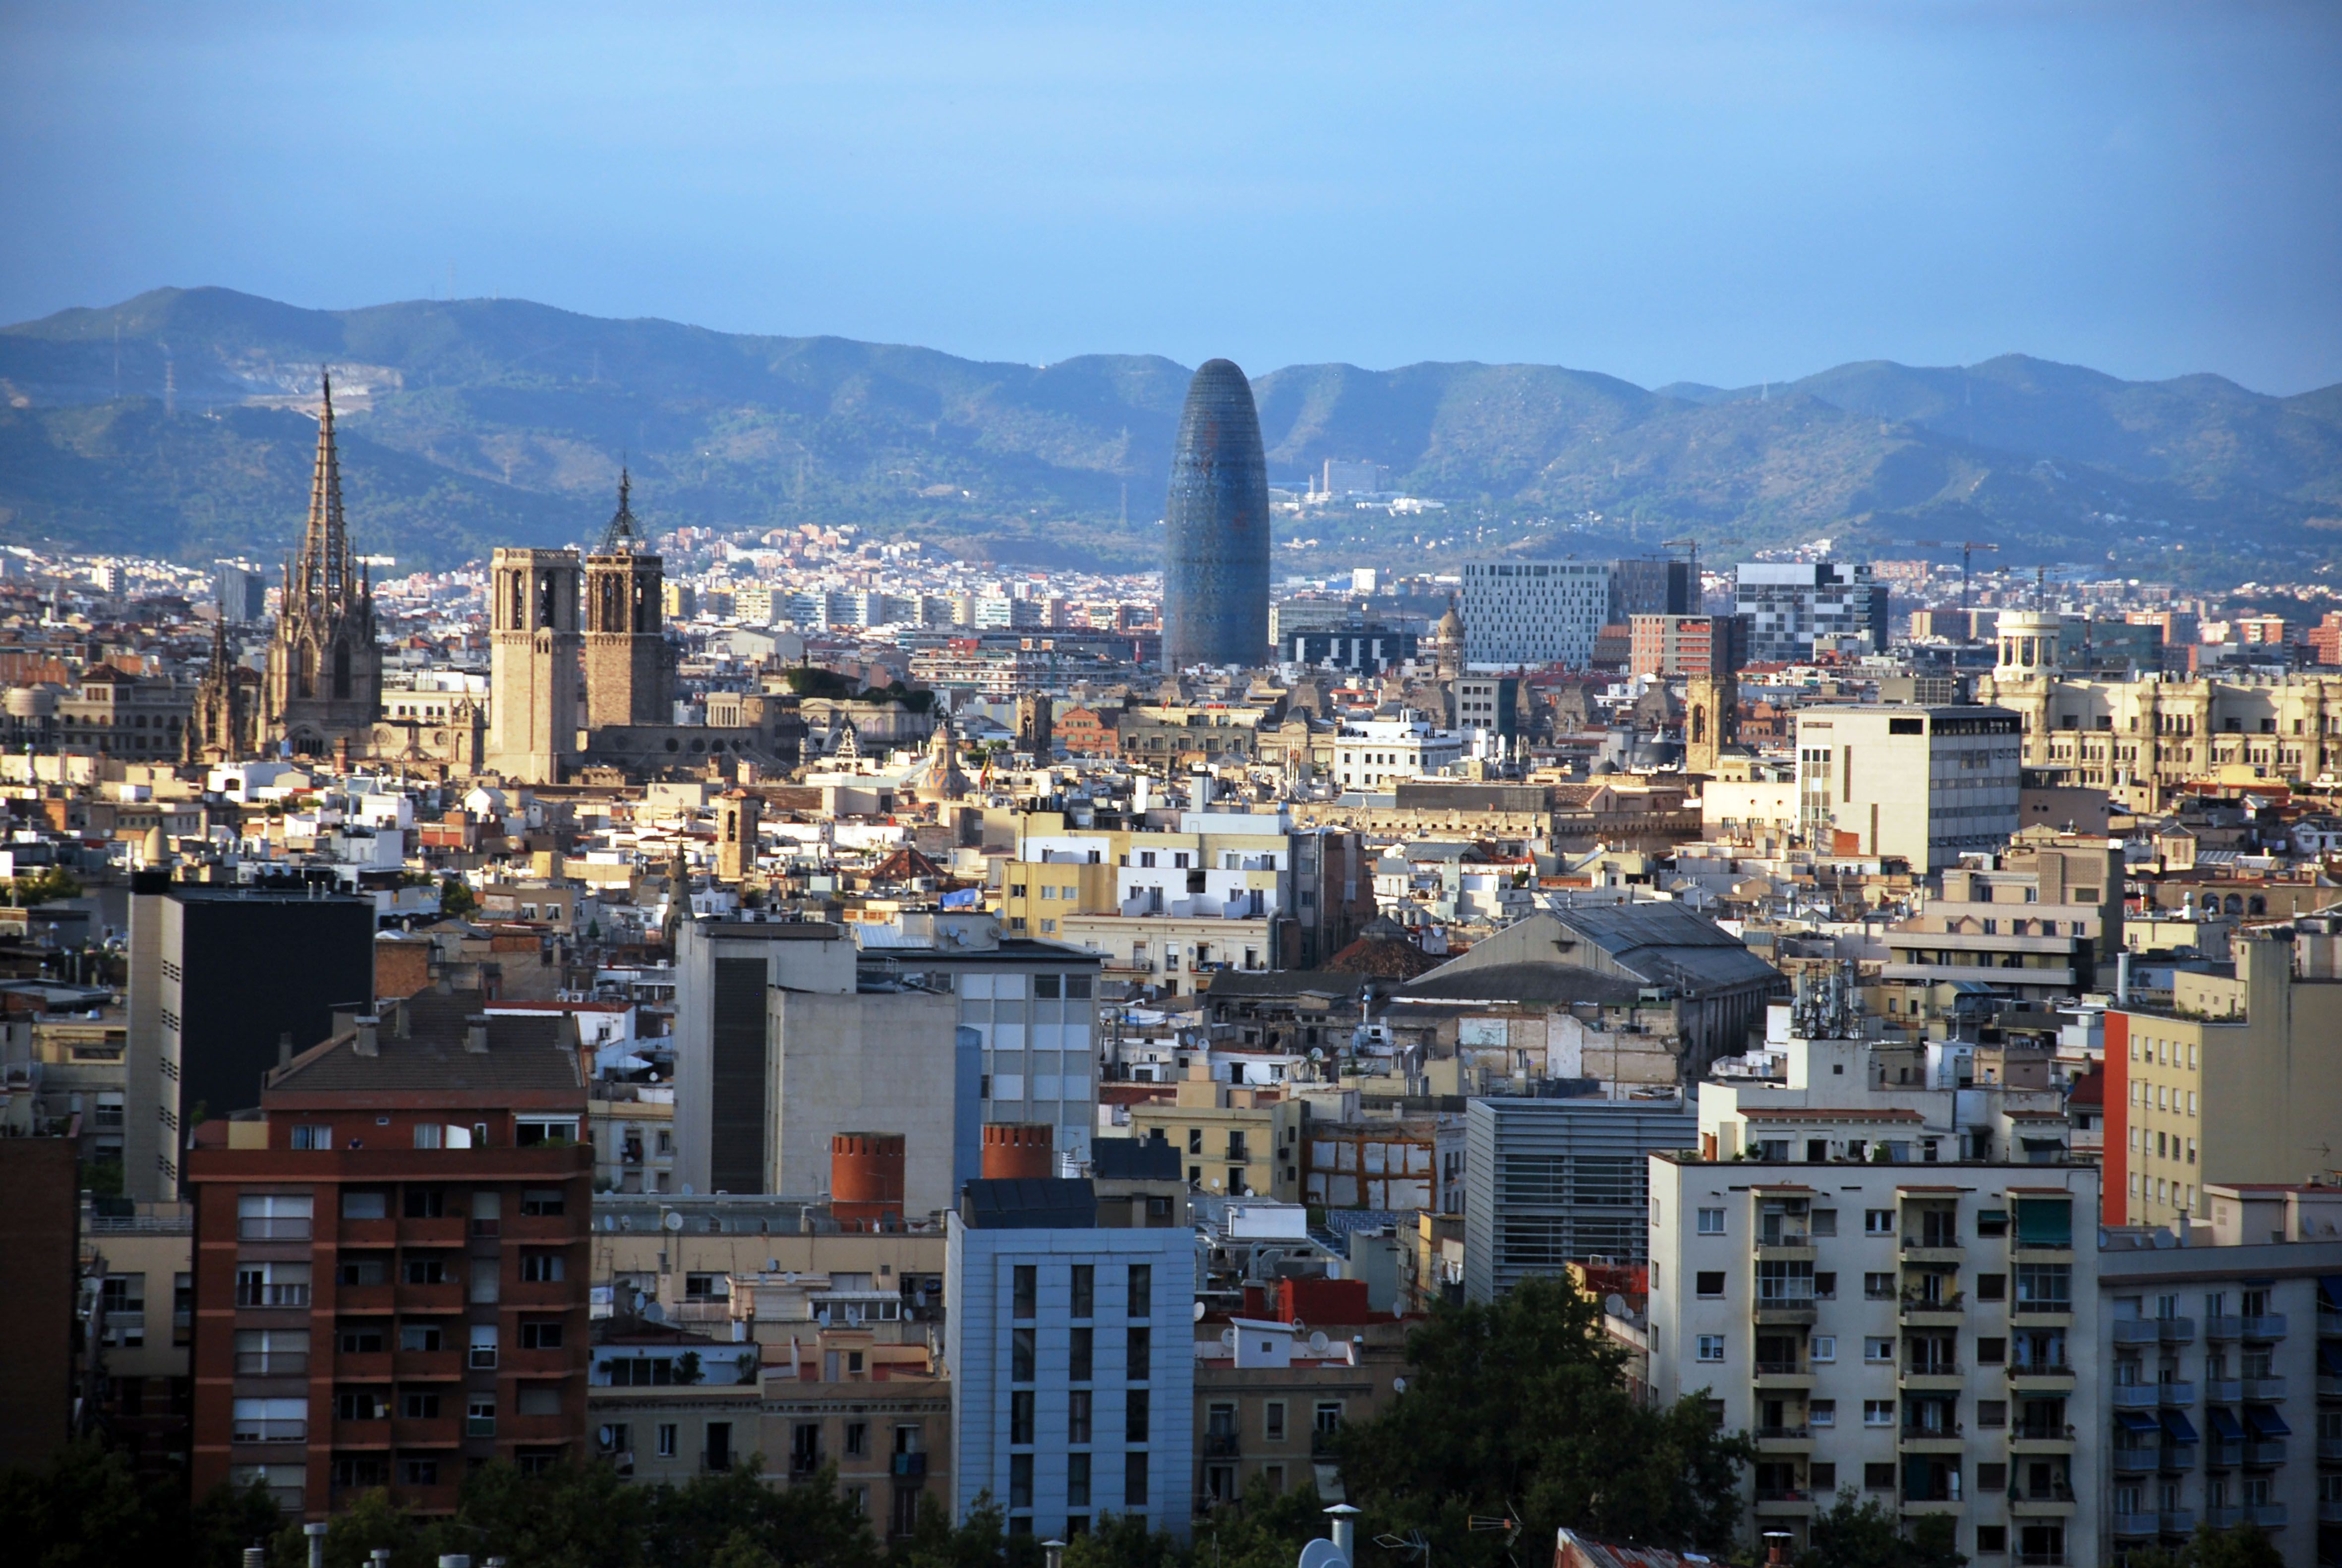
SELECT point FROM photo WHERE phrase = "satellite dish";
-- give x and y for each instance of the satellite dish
(1199, 1311)
(1398, 1385)
(686, 1189)
(1322, 1554)
(654, 1313)
(1318, 1341)
(671, 1220)
(1615, 1305)
(1228, 1337)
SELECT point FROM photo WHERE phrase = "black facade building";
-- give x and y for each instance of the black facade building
(1216, 556)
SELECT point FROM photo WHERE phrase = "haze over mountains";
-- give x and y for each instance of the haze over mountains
(172, 424)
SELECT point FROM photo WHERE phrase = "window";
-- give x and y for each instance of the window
(273, 1217)
(543, 1333)
(272, 1285)
(1711, 1222)
(308, 1136)
(480, 1415)
(269, 1420)
(423, 1269)
(1822, 1477)
(1825, 1347)
(360, 1405)
(484, 1344)
(666, 1439)
(1711, 1347)
(1992, 1413)
(1085, 1290)
(1992, 1287)
(418, 1405)
(706, 1287)
(1078, 1354)
(1024, 1289)
(1709, 1282)
(1991, 1351)
(1878, 1287)
(419, 1337)
(530, 1130)
(365, 1205)
(1078, 1415)
(361, 1339)
(1134, 1415)
(1878, 1222)
(1077, 1481)
(426, 1135)
(487, 1210)
(542, 1268)
(543, 1202)
(1020, 1416)
(1272, 1421)
(418, 1471)
(1821, 1412)
(1142, 1288)
(1138, 1355)
(363, 1269)
(423, 1203)
(1021, 1355)
(1878, 1412)
(1133, 1480)
(1878, 1348)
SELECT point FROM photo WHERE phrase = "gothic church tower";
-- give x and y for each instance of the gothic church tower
(324, 685)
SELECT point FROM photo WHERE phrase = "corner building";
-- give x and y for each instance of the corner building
(1918, 1334)
(391, 1261)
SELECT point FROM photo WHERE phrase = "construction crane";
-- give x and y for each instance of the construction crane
(1965, 546)
(1692, 557)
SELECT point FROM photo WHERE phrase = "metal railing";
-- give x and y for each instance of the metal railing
(1776, 1368)
(272, 1363)
(295, 1430)
(2136, 1525)
(1921, 1243)
(2041, 1432)
(273, 1228)
(909, 1465)
(1222, 1445)
(2268, 1325)
(2135, 1331)
(272, 1295)
(1783, 1433)
(2176, 1330)
(2264, 1388)
(2040, 1369)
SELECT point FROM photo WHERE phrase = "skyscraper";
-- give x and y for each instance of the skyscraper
(1216, 554)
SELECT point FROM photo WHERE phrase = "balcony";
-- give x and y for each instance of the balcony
(2264, 1390)
(2223, 1327)
(418, 1365)
(2329, 1322)
(2136, 1525)
(272, 1363)
(1781, 1374)
(2174, 1396)
(2177, 1456)
(2224, 1454)
(2037, 1500)
(2268, 1325)
(1935, 1248)
(444, 1231)
(1784, 1500)
(909, 1465)
(426, 1430)
(2041, 1434)
(1785, 1309)
(2043, 1309)
(2329, 1450)
(368, 1232)
(1792, 1435)
(2038, 1558)
(1933, 1439)
(2330, 1512)
(2177, 1521)
(2134, 1396)
(2268, 1515)
(2131, 1461)
(2136, 1331)
(1324, 1445)
(439, 1296)
(296, 1430)
(368, 1434)
(1942, 1312)
(2176, 1330)
(2265, 1450)
(541, 1293)
(479, 1426)
(378, 1298)
(1937, 1376)
(1222, 1445)
(273, 1228)
(2224, 1390)
(2040, 1371)
(2224, 1516)
(2329, 1387)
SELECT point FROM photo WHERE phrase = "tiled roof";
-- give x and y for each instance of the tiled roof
(425, 1050)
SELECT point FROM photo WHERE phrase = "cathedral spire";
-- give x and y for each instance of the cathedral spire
(620, 537)
(322, 572)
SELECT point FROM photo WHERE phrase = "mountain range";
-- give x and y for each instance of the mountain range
(180, 424)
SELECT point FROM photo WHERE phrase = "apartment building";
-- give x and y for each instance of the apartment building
(142, 1257)
(391, 1261)
(2230, 1083)
(2037, 923)
(1911, 1334)
(1235, 1141)
(1676, 647)
(2213, 1351)
(1071, 1352)
(1272, 1392)
(1373, 755)
(1548, 1182)
(1525, 613)
(1925, 784)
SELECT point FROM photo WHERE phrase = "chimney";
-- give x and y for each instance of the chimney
(475, 1033)
(370, 1036)
(284, 1049)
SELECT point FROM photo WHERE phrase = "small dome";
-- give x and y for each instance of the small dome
(1451, 625)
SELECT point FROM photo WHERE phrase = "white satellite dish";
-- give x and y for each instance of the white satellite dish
(1199, 1311)
(672, 1221)
(1317, 1341)
(1615, 1305)
(1228, 1337)
(1398, 1385)
(1322, 1554)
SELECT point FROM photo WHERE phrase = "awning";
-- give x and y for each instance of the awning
(2132, 1420)
(2266, 1422)
(2177, 1427)
(2225, 1426)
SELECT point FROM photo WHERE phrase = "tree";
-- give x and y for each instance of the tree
(89, 1512)
(1858, 1532)
(1522, 1404)
(1265, 1530)
(457, 900)
(1124, 1541)
(568, 1516)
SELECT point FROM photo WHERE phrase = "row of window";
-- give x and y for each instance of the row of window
(2045, 1287)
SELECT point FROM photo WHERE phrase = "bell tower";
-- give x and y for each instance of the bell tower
(1711, 714)
(627, 666)
(532, 663)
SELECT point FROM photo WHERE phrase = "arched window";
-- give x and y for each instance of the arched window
(341, 672)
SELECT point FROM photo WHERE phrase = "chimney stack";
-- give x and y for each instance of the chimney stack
(370, 1036)
(1019, 1151)
(865, 1179)
(475, 1033)
(284, 1049)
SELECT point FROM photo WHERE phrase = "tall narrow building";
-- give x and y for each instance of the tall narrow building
(532, 655)
(628, 668)
(324, 685)
(1215, 546)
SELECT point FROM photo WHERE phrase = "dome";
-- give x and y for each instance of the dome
(1450, 628)
(1603, 768)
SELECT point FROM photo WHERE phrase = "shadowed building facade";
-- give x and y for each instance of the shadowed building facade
(1215, 557)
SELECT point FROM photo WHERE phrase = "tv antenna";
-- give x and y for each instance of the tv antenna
(1415, 1544)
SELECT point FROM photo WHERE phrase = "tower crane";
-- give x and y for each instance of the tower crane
(1965, 546)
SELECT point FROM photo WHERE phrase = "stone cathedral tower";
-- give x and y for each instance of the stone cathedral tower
(628, 668)
(324, 685)
(533, 705)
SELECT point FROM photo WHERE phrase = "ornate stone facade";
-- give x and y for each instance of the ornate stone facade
(324, 685)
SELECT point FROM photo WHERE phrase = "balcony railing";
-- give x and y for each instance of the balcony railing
(2056, 1492)
(1922, 1242)
(2221, 1452)
(1955, 1302)
(2176, 1521)
(272, 1295)
(2176, 1330)
(2268, 1515)
(2040, 1369)
(1783, 1494)
(479, 1426)
(1946, 1432)
(909, 1465)
(2329, 1448)
(1783, 1433)
(1222, 1445)
(2329, 1321)
(2176, 1393)
(1322, 1444)
(296, 1430)
(2038, 1558)
(2133, 1395)
(1776, 1368)
(2134, 1458)
(2330, 1512)
(2137, 1524)
(2263, 1389)
(2135, 1331)
(2224, 1516)
(1934, 1369)
(2225, 1326)
(2224, 1390)
(273, 1228)
(2268, 1325)
(2041, 1432)
(2044, 1305)
(2265, 1450)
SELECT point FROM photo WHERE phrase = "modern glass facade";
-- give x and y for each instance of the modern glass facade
(1216, 551)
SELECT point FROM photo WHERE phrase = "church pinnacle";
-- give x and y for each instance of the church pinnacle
(321, 577)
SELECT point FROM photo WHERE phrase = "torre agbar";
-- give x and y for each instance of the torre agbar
(1216, 551)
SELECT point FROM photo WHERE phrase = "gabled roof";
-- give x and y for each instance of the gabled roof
(420, 1048)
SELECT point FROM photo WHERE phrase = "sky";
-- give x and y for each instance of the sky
(1722, 192)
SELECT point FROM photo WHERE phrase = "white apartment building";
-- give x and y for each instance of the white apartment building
(1379, 752)
(1907, 1331)
(1529, 613)
(1926, 783)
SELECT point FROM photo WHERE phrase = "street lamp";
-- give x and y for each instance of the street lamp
(1052, 1553)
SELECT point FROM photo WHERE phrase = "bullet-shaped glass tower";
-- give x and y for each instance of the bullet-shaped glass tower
(1215, 552)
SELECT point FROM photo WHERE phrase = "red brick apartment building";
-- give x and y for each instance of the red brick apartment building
(391, 1260)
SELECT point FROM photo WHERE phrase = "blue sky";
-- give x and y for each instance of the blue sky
(1725, 192)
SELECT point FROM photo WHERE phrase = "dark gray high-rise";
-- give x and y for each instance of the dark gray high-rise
(1215, 552)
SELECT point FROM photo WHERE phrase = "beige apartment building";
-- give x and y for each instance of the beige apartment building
(2234, 1082)
(1234, 1140)
(1926, 785)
